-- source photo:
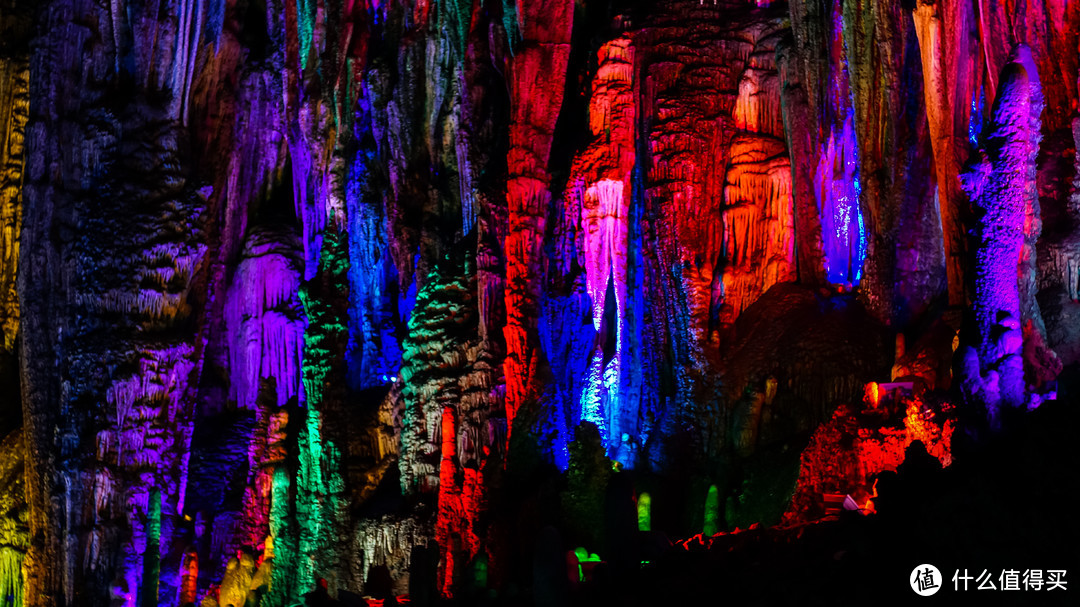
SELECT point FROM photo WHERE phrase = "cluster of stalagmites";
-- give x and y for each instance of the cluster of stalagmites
(287, 286)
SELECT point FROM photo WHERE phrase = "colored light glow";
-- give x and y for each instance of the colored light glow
(11, 579)
(376, 309)
(267, 346)
(586, 562)
(975, 120)
(305, 11)
(877, 445)
(591, 399)
(189, 578)
(839, 191)
(712, 512)
(873, 394)
(151, 556)
(644, 512)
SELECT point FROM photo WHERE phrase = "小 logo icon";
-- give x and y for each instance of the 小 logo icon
(925, 580)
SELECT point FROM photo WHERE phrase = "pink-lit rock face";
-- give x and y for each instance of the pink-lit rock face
(413, 296)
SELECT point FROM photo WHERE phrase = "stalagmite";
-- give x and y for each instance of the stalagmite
(712, 512)
(1001, 185)
(644, 512)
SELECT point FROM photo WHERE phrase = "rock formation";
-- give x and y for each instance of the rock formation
(395, 296)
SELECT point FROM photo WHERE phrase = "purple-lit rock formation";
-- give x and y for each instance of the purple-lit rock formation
(1001, 186)
(385, 297)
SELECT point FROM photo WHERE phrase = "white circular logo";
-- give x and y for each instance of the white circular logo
(925, 580)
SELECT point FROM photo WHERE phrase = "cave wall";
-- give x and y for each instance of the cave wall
(287, 285)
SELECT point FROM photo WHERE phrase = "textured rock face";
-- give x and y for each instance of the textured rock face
(16, 104)
(14, 114)
(535, 99)
(873, 444)
(1001, 185)
(295, 290)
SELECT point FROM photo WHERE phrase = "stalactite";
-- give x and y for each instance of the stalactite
(688, 122)
(536, 92)
(11, 584)
(459, 507)
(879, 41)
(149, 586)
(388, 541)
(375, 352)
(145, 403)
(825, 73)
(14, 112)
(759, 226)
(946, 43)
(600, 187)
(132, 266)
(712, 512)
(447, 501)
(309, 191)
(447, 435)
(320, 492)
(489, 199)
(146, 433)
(800, 132)
(644, 512)
(919, 273)
(189, 578)
(838, 190)
(14, 536)
(435, 360)
(254, 150)
(283, 587)
(264, 317)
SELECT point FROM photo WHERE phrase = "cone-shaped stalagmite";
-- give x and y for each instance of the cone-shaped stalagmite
(1001, 186)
